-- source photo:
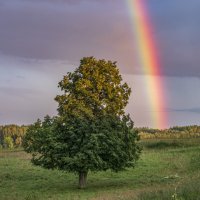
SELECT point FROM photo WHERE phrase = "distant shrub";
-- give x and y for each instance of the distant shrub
(8, 142)
(18, 141)
(168, 135)
(163, 144)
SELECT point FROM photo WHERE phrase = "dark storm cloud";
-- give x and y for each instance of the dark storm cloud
(69, 1)
(67, 30)
(46, 31)
(177, 33)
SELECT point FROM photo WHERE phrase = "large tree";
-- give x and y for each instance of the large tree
(91, 131)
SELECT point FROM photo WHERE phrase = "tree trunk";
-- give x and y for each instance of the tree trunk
(82, 180)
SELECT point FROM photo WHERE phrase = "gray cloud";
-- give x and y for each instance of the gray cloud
(192, 110)
(15, 69)
(59, 32)
(176, 32)
(63, 33)
(20, 77)
(181, 106)
(18, 92)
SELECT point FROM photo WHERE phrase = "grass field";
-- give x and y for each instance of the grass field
(167, 169)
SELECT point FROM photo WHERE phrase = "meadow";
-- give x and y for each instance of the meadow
(167, 169)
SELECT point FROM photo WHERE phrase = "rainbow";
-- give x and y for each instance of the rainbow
(148, 61)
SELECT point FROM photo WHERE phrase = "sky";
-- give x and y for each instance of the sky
(41, 40)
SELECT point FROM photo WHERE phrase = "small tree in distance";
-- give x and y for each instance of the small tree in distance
(91, 131)
(8, 142)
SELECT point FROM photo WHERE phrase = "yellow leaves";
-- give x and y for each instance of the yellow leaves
(94, 87)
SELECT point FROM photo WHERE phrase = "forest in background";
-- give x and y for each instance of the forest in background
(175, 132)
(12, 135)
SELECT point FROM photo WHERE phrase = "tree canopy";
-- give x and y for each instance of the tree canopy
(93, 89)
(91, 131)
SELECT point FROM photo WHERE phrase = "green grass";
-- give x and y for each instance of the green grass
(164, 165)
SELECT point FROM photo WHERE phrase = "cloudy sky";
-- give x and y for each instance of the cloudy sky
(41, 40)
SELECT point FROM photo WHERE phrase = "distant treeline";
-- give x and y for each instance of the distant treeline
(174, 132)
(11, 135)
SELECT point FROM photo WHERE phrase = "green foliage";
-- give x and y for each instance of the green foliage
(92, 132)
(8, 142)
(81, 145)
(166, 144)
(39, 140)
(163, 144)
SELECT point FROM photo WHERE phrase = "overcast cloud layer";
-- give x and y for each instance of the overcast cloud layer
(40, 40)
(69, 30)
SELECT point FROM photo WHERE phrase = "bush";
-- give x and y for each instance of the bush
(18, 142)
(8, 142)
(163, 144)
